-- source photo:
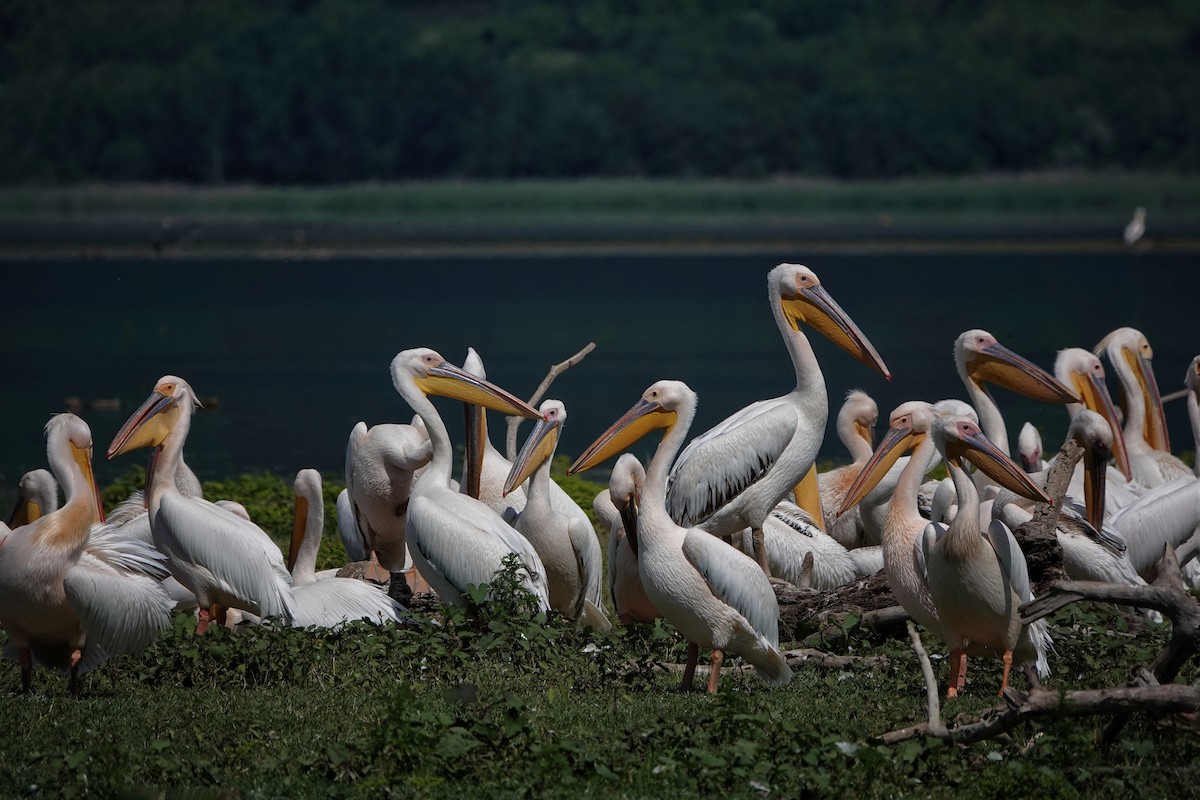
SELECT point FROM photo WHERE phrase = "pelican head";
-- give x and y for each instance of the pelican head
(1083, 371)
(981, 359)
(907, 428)
(959, 439)
(67, 432)
(433, 375)
(540, 445)
(1029, 447)
(1092, 432)
(657, 409)
(859, 414)
(802, 299)
(154, 420)
(1129, 348)
(625, 489)
(37, 495)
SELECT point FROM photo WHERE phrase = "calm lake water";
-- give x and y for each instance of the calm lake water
(295, 353)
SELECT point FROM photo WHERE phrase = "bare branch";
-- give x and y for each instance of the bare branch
(510, 442)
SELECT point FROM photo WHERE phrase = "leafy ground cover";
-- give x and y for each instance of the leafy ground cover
(508, 704)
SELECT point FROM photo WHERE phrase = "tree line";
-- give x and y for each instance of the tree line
(329, 91)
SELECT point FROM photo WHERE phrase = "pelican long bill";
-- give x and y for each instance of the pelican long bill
(979, 450)
(997, 364)
(640, 420)
(813, 305)
(149, 425)
(1155, 425)
(1094, 391)
(538, 447)
(447, 380)
(895, 443)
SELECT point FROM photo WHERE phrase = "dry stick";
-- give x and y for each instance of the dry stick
(1037, 537)
(1150, 691)
(510, 443)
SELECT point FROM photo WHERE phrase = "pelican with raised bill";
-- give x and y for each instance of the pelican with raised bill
(64, 601)
(568, 547)
(455, 540)
(1145, 430)
(715, 596)
(731, 477)
(978, 583)
(224, 559)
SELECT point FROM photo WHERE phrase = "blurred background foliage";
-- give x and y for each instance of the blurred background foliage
(325, 91)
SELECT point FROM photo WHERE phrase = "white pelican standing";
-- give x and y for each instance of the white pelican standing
(222, 558)
(617, 507)
(455, 540)
(855, 427)
(714, 595)
(568, 548)
(60, 603)
(731, 477)
(1145, 430)
(331, 601)
(978, 583)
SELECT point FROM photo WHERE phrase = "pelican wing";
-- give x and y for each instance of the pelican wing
(795, 518)
(357, 546)
(122, 611)
(1074, 520)
(231, 549)
(934, 532)
(1012, 560)
(587, 555)
(736, 580)
(124, 547)
(334, 601)
(464, 541)
(720, 464)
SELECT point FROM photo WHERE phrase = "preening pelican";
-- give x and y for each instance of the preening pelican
(978, 583)
(222, 558)
(380, 463)
(455, 540)
(855, 427)
(1145, 430)
(61, 604)
(617, 507)
(791, 535)
(330, 602)
(715, 596)
(567, 547)
(731, 477)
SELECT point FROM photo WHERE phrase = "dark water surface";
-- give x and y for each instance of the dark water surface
(296, 352)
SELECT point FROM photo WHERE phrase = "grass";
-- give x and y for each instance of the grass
(510, 704)
(516, 706)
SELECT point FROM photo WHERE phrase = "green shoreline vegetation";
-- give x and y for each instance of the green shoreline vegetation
(510, 704)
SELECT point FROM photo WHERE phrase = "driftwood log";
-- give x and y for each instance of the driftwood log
(510, 440)
(1150, 691)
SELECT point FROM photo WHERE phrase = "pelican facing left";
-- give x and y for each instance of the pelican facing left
(714, 595)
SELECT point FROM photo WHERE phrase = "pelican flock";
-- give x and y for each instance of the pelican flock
(700, 539)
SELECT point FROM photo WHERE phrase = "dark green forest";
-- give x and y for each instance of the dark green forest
(330, 91)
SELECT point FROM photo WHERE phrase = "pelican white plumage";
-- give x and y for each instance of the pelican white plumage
(714, 595)
(731, 477)
(568, 547)
(456, 541)
(1192, 381)
(617, 507)
(380, 463)
(331, 601)
(1145, 429)
(978, 583)
(37, 495)
(855, 428)
(222, 558)
(65, 604)
(790, 536)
